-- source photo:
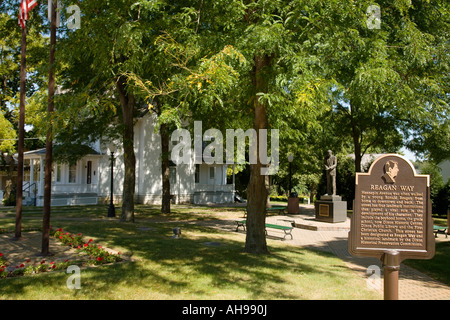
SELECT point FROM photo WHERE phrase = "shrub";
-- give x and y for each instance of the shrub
(99, 255)
(2, 259)
(3, 272)
(95, 252)
(69, 239)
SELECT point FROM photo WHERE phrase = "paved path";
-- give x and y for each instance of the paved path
(413, 285)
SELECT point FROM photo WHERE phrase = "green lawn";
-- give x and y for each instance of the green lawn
(187, 268)
(438, 266)
(179, 212)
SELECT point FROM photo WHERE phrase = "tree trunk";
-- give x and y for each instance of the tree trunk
(49, 142)
(356, 144)
(20, 144)
(127, 103)
(255, 241)
(165, 168)
(312, 188)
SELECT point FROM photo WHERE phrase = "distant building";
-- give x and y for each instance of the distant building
(88, 180)
(366, 159)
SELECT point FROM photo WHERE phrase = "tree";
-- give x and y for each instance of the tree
(388, 80)
(8, 87)
(119, 38)
(277, 81)
(188, 81)
(439, 189)
(283, 82)
(7, 135)
(428, 139)
(258, 36)
(10, 47)
(49, 140)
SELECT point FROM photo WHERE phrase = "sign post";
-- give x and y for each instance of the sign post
(392, 217)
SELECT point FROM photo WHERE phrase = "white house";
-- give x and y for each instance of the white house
(72, 184)
(88, 180)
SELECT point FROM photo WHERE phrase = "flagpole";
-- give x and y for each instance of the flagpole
(49, 142)
(20, 147)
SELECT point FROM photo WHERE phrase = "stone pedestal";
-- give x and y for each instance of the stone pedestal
(293, 205)
(331, 209)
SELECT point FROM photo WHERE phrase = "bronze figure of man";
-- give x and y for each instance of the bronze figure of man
(330, 167)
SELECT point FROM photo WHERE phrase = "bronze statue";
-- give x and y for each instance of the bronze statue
(330, 167)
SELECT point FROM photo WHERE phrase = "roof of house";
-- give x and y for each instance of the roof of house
(42, 151)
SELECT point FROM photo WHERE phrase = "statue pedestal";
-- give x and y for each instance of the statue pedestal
(331, 208)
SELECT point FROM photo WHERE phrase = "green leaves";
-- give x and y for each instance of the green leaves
(7, 135)
(195, 60)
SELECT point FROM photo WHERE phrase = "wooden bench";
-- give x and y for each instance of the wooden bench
(287, 230)
(440, 229)
(279, 209)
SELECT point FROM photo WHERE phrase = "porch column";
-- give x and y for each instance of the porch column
(31, 171)
(41, 177)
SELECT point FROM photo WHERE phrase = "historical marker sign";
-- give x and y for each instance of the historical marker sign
(392, 211)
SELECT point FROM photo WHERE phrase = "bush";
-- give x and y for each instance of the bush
(10, 200)
(69, 239)
(278, 198)
(95, 252)
(440, 191)
(441, 200)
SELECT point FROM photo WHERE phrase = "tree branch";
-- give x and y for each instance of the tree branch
(198, 16)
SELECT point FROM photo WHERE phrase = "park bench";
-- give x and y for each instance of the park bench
(279, 209)
(439, 229)
(287, 230)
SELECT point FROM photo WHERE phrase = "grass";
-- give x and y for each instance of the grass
(439, 220)
(438, 266)
(179, 212)
(187, 268)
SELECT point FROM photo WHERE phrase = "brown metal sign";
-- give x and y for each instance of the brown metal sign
(392, 211)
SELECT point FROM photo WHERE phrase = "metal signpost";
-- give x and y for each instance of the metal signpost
(392, 217)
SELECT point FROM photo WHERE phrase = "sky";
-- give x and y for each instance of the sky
(408, 154)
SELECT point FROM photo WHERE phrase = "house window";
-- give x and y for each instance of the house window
(26, 170)
(73, 173)
(197, 173)
(89, 172)
(36, 170)
(212, 172)
(56, 174)
(173, 175)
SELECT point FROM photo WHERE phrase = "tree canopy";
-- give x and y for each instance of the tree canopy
(317, 71)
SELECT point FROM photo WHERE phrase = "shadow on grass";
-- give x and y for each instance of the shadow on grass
(167, 268)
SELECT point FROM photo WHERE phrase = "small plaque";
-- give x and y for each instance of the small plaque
(324, 210)
(392, 211)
